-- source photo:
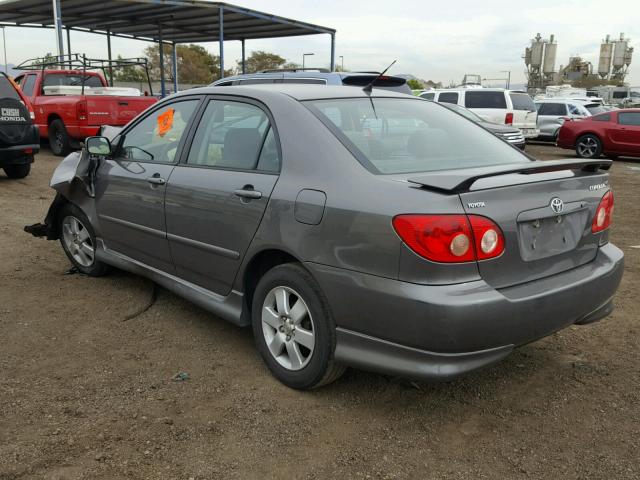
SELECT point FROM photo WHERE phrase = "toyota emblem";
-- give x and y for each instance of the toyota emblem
(556, 205)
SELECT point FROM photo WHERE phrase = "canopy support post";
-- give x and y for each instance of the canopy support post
(57, 20)
(69, 45)
(221, 40)
(333, 52)
(244, 58)
(109, 57)
(163, 90)
(174, 66)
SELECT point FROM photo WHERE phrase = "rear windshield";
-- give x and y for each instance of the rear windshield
(479, 99)
(522, 101)
(595, 108)
(70, 79)
(397, 84)
(7, 90)
(395, 135)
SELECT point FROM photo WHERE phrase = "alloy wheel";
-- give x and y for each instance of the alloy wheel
(588, 147)
(288, 328)
(77, 241)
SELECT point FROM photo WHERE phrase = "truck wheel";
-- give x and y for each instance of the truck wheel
(79, 241)
(59, 139)
(293, 328)
(17, 171)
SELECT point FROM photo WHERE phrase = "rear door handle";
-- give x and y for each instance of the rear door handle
(156, 180)
(248, 192)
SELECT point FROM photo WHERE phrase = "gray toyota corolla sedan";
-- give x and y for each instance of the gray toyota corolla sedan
(374, 230)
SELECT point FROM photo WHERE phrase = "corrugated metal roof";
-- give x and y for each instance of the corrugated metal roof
(181, 21)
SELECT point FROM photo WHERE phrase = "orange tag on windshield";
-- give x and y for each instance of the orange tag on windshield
(165, 122)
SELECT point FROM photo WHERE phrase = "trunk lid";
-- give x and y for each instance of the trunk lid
(115, 110)
(539, 241)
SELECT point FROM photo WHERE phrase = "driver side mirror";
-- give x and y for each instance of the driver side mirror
(98, 146)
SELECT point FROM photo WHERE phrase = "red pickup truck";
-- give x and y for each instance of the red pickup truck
(71, 105)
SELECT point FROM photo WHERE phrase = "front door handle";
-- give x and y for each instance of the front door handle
(156, 180)
(248, 192)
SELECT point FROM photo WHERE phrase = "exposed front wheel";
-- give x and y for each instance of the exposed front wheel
(79, 241)
(59, 139)
(17, 171)
(293, 328)
(588, 146)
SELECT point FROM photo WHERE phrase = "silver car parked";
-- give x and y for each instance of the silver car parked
(554, 112)
(347, 227)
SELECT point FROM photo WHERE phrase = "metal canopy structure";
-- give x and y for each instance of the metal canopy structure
(161, 21)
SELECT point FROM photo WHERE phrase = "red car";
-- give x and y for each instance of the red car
(614, 134)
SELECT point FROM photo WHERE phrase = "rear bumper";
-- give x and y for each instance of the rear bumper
(440, 332)
(530, 133)
(18, 155)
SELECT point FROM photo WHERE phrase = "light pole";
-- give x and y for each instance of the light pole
(508, 72)
(342, 62)
(305, 55)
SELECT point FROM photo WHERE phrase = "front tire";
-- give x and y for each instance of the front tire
(589, 146)
(59, 139)
(293, 328)
(78, 241)
(17, 171)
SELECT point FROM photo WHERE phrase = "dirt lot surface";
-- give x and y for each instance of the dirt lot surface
(86, 393)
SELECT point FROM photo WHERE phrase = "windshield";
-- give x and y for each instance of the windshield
(464, 112)
(595, 108)
(7, 90)
(394, 135)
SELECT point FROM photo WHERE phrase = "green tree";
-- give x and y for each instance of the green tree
(415, 84)
(195, 64)
(129, 73)
(261, 60)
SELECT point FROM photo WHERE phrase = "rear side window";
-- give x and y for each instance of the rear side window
(448, 97)
(629, 118)
(7, 90)
(522, 101)
(234, 135)
(602, 118)
(479, 99)
(552, 109)
(28, 83)
(395, 135)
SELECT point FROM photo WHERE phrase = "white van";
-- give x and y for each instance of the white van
(495, 105)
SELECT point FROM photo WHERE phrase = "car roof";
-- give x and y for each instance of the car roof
(297, 91)
(295, 74)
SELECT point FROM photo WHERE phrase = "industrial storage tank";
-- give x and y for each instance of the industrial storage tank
(549, 66)
(619, 52)
(537, 47)
(606, 53)
(627, 56)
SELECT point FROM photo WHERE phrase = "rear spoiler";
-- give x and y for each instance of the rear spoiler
(456, 181)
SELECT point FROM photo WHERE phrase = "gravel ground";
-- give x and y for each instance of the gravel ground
(86, 393)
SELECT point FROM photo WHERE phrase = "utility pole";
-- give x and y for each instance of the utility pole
(57, 20)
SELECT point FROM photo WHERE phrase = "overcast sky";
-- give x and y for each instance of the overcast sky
(440, 42)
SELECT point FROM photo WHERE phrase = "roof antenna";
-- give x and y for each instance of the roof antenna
(369, 87)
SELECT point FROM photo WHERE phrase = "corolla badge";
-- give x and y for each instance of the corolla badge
(556, 205)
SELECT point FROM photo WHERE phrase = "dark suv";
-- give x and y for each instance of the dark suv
(318, 76)
(19, 137)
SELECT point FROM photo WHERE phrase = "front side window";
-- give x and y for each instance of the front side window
(428, 96)
(27, 85)
(578, 110)
(393, 135)
(234, 135)
(629, 118)
(156, 138)
(480, 99)
(522, 101)
(448, 97)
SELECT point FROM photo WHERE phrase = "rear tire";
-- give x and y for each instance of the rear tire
(78, 241)
(293, 328)
(588, 146)
(59, 139)
(17, 171)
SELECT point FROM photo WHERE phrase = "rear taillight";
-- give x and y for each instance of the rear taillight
(604, 212)
(81, 110)
(450, 238)
(508, 119)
